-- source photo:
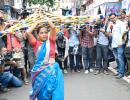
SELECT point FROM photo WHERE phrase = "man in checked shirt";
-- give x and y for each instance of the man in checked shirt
(87, 43)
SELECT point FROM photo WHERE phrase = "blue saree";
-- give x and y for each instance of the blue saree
(47, 79)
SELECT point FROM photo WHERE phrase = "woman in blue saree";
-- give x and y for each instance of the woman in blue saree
(47, 78)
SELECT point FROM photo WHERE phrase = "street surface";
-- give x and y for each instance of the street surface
(79, 86)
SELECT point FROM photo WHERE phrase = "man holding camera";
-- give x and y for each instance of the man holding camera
(6, 77)
(102, 48)
(87, 43)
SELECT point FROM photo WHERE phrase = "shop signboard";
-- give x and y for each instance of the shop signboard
(113, 8)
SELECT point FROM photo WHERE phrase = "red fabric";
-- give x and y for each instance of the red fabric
(15, 42)
(36, 45)
(52, 46)
(66, 33)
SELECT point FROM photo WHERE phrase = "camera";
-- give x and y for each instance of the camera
(8, 57)
(24, 14)
(82, 27)
(97, 25)
(75, 49)
(1, 61)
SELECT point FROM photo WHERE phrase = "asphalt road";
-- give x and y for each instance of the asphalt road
(79, 86)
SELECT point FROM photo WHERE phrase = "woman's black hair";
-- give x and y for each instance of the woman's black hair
(38, 29)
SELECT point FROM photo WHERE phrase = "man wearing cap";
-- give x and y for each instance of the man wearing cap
(87, 43)
(102, 49)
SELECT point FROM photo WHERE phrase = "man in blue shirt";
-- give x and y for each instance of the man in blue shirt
(6, 77)
(102, 49)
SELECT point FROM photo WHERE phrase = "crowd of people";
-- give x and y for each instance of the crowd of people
(89, 47)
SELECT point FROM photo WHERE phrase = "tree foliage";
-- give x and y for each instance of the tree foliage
(49, 3)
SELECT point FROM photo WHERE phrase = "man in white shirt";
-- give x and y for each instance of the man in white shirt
(117, 43)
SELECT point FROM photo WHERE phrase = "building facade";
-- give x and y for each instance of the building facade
(1, 4)
(104, 7)
(17, 4)
(11, 7)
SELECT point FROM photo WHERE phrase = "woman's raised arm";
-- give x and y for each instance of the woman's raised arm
(31, 38)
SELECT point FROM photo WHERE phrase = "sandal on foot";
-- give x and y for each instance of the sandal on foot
(26, 82)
